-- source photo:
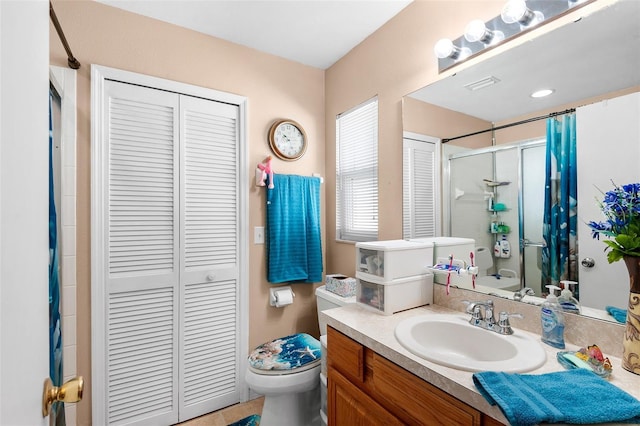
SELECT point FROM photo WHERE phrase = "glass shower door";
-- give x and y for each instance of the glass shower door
(532, 202)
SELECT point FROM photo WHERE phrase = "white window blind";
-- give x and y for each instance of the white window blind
(357, 173)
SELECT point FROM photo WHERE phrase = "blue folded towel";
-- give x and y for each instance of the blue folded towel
(618, 314)
(573, 396)
(293, 236)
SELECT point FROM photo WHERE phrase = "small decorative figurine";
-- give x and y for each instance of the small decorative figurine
(266, 169)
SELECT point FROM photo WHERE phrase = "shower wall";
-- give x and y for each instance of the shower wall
(520, 171)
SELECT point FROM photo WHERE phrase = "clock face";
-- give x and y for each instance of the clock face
(288, 140)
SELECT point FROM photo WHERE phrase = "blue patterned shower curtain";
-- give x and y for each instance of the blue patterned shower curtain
(560, 206)
(55, 328)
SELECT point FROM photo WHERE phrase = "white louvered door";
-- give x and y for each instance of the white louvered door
(419, 189)
(142, 255)
(170, 265)
(209, 368)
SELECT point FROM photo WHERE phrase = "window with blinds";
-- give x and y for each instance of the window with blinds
(357, 173)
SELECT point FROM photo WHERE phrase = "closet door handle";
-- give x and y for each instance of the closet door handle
(211, 276)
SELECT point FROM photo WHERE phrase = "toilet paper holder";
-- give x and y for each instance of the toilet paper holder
(277, 293)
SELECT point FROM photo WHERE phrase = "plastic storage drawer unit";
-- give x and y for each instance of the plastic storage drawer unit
(392, 259)
(388, 297)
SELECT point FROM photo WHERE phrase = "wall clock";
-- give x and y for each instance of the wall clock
(287, 140)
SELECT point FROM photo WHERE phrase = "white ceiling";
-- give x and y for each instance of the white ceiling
(313, 32)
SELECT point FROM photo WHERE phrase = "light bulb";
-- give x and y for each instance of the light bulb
(445, 48)
(476, 30)
(517, 11)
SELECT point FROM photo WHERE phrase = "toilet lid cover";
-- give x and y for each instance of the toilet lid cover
(289, 354)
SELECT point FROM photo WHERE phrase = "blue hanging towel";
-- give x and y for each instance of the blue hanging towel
(294, 240)
(574, 396)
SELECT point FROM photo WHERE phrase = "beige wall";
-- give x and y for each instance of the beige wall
(275, 88)
(426, 119)
(392, 62)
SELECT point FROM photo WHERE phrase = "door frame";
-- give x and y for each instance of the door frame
(99, 74)
(24, 207)
(64, 82)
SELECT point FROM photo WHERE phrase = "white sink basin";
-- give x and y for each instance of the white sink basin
(451, 341)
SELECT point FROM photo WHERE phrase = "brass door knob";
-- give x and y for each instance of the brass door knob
(71, 391)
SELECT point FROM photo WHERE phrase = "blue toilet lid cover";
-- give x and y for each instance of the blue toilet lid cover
(296, 352)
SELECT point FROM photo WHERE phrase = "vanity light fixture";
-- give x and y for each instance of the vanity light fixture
(445, 48)
(517, 11)
(476, 30)
(542, 93)
(517, 17)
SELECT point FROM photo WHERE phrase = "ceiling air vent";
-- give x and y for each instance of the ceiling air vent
(481, 84)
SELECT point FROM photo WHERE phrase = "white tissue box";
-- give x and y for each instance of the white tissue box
(341, 285)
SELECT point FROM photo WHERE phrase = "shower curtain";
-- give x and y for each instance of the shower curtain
(55, 328)
(560, 206)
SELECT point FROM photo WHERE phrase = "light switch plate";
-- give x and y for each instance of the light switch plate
(258, 235)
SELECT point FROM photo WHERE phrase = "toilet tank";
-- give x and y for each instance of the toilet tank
(327, 300)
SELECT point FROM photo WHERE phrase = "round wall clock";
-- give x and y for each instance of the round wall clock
(287, 140)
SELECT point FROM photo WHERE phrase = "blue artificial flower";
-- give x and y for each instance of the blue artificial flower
(621, 209)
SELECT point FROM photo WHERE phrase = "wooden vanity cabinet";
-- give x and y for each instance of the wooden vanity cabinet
(365, 388)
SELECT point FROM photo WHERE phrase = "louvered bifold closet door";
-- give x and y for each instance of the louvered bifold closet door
(419, 192)
(142, 254)
(209, 366)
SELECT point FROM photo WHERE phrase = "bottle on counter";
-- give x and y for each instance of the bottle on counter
(566, 299)
(552, 319)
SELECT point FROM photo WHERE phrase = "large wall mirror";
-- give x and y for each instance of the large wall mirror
(593, 65)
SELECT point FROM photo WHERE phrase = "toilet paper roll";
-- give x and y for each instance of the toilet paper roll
(484, 260)
(283, 297)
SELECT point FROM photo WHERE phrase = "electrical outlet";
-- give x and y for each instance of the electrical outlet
(258, 235)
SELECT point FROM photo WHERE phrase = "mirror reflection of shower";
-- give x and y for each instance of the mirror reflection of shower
(496, 194)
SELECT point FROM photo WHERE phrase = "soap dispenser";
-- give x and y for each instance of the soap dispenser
(552, 320)
(566, 299)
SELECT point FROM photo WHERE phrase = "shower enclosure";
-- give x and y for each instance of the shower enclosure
(496, 194)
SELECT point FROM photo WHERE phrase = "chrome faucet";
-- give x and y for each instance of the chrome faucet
(477, 318)
(487, 321)
(520, 294)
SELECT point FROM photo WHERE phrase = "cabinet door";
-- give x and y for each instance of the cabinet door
(349, 406)
(416, 401)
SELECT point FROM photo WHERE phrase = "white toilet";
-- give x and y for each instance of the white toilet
(287, 372)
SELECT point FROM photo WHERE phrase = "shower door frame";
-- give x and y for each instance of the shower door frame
(448, 190)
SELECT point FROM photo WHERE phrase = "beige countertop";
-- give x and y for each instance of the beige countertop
(376, 332)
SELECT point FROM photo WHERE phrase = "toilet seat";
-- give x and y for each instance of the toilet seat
(286, 355)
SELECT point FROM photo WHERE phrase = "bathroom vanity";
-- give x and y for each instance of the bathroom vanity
(366, 388)
(373, 380)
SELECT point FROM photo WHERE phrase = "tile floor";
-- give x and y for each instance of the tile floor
(228, 415)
